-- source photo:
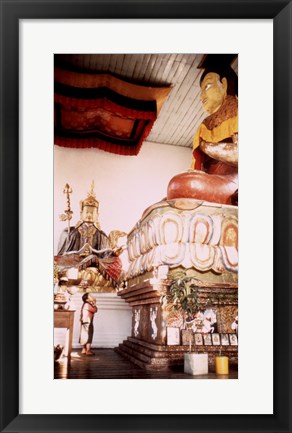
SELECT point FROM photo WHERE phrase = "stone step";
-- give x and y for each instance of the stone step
(142, 357)
(150, 356)
(152, 353)
(137, 358)
(131, 358)
(132, 351)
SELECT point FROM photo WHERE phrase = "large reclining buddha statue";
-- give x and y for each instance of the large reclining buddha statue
(214, 177)
(87, 248)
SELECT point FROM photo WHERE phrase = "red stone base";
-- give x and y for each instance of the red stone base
(158, 357)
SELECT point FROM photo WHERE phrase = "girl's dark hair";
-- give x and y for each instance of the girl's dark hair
(228, 73)
(85, 297)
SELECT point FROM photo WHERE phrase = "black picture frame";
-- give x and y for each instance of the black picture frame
(280, 11)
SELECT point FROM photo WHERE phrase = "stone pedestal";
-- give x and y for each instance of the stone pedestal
(200, 239)
(147, 345)
(196, 363)
(160, 357)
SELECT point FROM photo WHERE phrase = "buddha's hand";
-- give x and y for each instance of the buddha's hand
(224, 152)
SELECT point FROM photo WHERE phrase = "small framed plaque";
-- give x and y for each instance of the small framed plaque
(187, 335)
(233, 339)
(198, 339)
(216, 339)
(173, 336)
(224, 340)
(207, 340)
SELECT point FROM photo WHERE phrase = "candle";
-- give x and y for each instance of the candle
(221, 364)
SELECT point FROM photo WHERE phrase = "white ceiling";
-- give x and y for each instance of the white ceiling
(181, 113)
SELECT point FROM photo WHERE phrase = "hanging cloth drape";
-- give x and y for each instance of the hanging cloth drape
(102, 111)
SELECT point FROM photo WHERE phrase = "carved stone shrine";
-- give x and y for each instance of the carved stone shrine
(200, 238)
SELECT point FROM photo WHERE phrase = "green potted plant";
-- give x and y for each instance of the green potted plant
(183, 296)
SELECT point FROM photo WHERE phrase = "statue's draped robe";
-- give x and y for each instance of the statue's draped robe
(75, 241)
(218, 180)
(103, 258)
(218, 127)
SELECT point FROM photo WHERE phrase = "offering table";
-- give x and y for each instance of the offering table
(65, 319)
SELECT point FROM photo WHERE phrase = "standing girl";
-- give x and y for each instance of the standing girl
(88, 310)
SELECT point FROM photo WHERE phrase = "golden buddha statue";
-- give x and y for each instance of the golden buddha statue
(214, 177)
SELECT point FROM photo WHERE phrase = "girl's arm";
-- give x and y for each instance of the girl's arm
(92, 308)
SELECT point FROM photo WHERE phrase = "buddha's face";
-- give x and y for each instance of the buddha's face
(213, 92)
(89, 214)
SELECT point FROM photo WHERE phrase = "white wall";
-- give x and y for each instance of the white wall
(112, 323)
(125, 185)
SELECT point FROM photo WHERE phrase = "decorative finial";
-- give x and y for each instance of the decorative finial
(91, 193)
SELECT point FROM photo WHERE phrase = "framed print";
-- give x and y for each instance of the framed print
(198, 339)
(216, 339)
(173, 336)
(32, 33)
(187, 337)
(207, 339)
(224, 340)
(233, 339)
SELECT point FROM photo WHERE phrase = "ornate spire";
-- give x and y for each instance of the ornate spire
(90, 200)
(91, 193)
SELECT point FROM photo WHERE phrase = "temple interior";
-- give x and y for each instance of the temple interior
(145, 216)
